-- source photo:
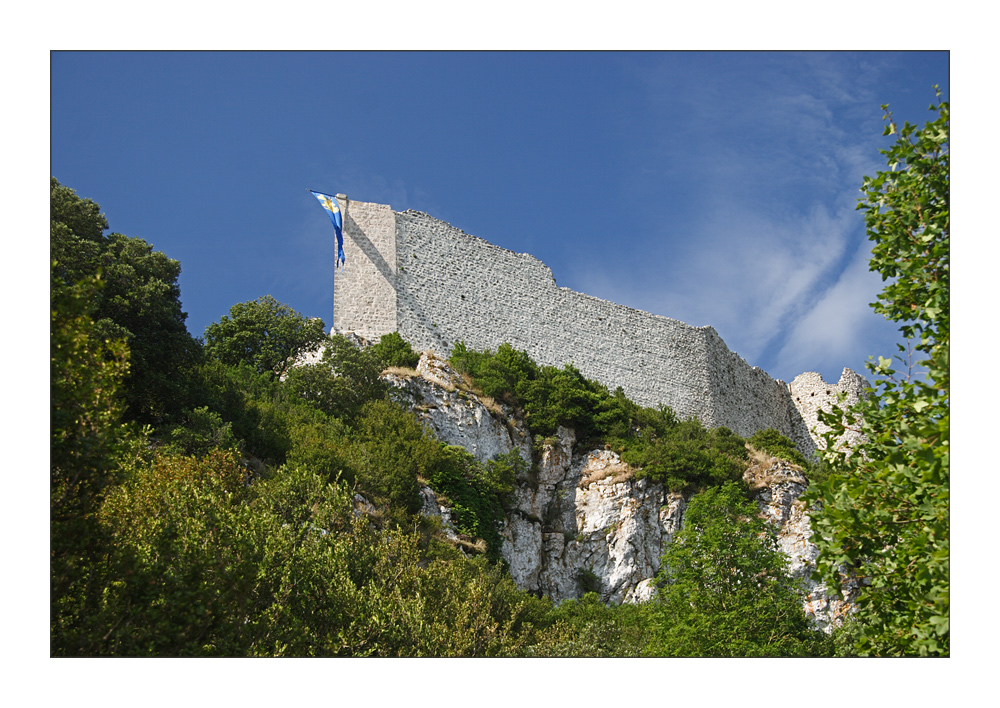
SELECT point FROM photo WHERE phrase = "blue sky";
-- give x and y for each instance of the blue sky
(717, 188)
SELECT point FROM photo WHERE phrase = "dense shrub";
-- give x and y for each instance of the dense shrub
(683, 455)
(199, 432)
(725, 587)
(549, 396)
(342, 382)
(501, 375)
(689, 457)
(393, 350)
(562, 397)
(387, 450)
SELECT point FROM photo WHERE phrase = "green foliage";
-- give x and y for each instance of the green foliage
(589, 628)
(773, 442)
(77, 229)
(265, 334)
(471, 607)
(318, 443)
(725, 590)
(562, 397)
(256, 407)
(201, 431)
(496, 375)
(206, 565)
(86, 438)
(388, 450)
(141, 304)
(549, 396)
(683, 455)
(393, 350)
(616, 417)
(138, 303)
(85, 373)
(343, 381)
(587, 581)
(884, 509)
(687, 457)
(212, 567)
(477, 492)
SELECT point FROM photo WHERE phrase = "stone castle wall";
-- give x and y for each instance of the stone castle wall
(810, 394)
(437, 285)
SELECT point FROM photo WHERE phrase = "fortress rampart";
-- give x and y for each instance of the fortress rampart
(436, 285)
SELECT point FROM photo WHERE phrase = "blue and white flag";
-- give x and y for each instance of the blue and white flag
(333, 209)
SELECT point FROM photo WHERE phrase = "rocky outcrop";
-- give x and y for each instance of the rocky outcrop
(588, 524)
(779, 487)
(442, 399)
(582, 521)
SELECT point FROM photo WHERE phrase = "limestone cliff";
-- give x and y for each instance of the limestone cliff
(582, 521)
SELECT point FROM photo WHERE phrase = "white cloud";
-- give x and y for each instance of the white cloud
(834, 332)
(769, 159)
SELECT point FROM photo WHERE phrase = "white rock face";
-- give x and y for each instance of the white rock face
(459, 417)
(588, 524)
(778, 498)
(584, 522)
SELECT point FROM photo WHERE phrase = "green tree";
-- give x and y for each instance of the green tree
(208, 565)
(138, 303)
(884, 509)
(76, 232)
(201, 431)
(86, 436)
(388, 450)
(344, 379)
(141, 304)
(265, 334)
(725, 587)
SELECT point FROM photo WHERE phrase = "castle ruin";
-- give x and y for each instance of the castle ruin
(436, 285)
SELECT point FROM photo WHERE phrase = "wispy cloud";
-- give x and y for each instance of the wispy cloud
(833, 332)
(767, 247)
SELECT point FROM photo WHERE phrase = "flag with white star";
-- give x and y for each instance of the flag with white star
(333, 210)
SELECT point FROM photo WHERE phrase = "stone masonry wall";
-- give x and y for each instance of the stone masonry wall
(437, 285)
(364, 295)
(810, 394)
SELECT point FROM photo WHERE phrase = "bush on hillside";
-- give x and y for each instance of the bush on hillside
(393, 350)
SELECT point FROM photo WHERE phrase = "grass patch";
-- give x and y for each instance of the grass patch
(619, 472)
(765, 470)
(402, 371)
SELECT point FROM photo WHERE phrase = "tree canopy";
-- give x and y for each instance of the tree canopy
(139, 302)
(883, 513)
(265, 334)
